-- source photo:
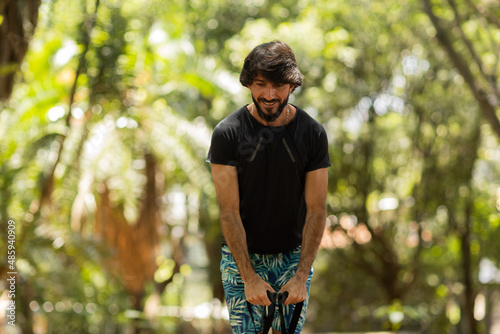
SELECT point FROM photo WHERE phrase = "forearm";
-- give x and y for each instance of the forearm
(234, 233)
(311, 239)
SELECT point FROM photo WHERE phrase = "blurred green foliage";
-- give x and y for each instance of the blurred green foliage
(105, 135)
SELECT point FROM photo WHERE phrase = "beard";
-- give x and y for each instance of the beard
(270, 117)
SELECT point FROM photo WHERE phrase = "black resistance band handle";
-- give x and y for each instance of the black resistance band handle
(278, 298)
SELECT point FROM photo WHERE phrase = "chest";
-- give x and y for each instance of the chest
(271, 150)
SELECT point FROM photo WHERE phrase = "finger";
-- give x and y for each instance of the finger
(252, 301)
(289, 296)
(258, 301)
(262, 300)
(286, 291)
(269, 287)
(289, 300)
(294, 299)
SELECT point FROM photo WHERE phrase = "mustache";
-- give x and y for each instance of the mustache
(269, 101)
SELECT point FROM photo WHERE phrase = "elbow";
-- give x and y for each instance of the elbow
(317, 209)
(228, 213)
(316, 215)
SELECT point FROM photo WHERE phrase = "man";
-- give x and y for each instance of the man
(269, 163)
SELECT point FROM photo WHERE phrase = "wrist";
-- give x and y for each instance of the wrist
(302, 274)
(249, 277)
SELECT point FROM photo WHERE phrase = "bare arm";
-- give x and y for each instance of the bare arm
(316, 188)
(226, 186)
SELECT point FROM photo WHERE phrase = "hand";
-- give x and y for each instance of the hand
(297, 291)
(256, 291)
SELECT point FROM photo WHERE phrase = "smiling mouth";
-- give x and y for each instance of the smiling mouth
(269, 103)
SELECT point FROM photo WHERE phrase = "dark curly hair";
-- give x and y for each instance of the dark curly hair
(275, 61)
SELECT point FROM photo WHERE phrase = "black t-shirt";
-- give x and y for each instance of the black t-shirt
(271, 164)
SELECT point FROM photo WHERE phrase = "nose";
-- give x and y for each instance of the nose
(270, 93)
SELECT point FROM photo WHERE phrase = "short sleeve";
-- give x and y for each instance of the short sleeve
(319, 157)
(222, 146)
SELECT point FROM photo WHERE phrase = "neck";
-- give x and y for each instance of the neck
(282, 120)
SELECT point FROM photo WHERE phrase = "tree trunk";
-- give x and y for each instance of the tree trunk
(24, 298)
(469, 322)
(19, 22)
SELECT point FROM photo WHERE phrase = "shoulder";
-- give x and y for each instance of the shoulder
(308, 124)
(225, 138)
(232, 123)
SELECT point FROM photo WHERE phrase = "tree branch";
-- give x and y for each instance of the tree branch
(490, 78)
(493, 20)
(486, 13)
(457, 19)
(487, 108)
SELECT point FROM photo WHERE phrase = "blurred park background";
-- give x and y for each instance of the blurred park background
(106, 113)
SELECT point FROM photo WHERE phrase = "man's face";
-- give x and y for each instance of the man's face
(270, 98)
